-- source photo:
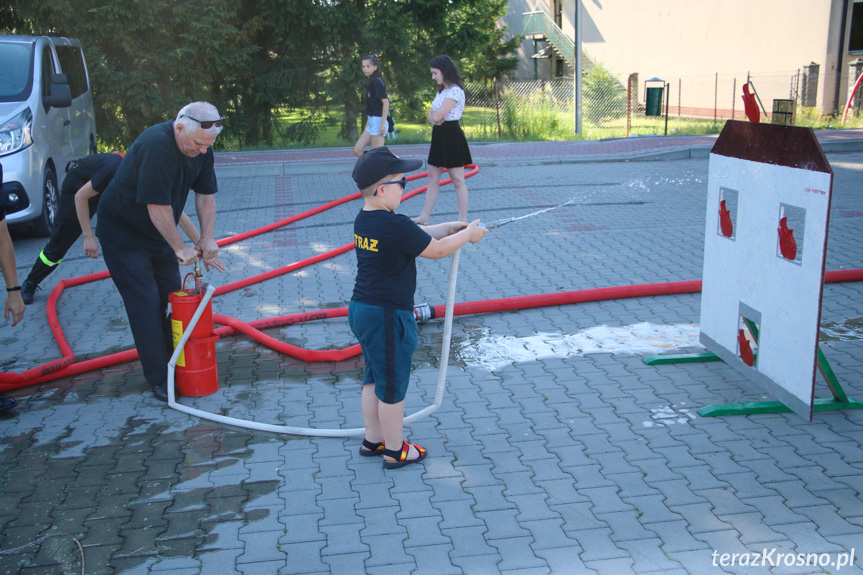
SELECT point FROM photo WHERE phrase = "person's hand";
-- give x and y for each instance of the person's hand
(475, 232)
(91, 247)
(215, 263)
(186, 255)
(384, 127)
(14, 308)
(208, 249)
(455, 227)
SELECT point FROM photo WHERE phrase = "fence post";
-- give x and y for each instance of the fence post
(810, 84)
(497, 106)
(679, 90)
(628, 104)
(855, 68)
(733, 97)
(667, 96)
(715, 96)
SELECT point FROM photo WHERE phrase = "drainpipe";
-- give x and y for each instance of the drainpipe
(840, 55)
(577, 72)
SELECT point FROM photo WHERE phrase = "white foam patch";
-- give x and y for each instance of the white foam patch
(483, 349)
(670, 415)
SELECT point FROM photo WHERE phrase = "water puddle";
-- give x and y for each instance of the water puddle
(484, 349)
(849, 330)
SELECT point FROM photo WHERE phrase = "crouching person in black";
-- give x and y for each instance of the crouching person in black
(85, 181)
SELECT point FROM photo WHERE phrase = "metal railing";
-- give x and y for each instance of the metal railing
(540, 24)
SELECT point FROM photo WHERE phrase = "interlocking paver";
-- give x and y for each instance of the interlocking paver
(551, 465)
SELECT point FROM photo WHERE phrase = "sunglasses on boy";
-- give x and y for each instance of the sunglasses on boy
(206, 124)
(403, 182)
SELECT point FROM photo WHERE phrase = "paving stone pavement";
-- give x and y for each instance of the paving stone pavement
(563, 462)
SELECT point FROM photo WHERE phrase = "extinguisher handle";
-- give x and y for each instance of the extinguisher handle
(192, 275)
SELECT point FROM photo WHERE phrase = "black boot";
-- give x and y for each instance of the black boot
(40, 271)
(160, 391)
(6, 402)
(28, 290)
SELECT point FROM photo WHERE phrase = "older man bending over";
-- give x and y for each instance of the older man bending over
(137, 226)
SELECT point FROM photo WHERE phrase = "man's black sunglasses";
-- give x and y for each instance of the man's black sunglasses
(207, 124)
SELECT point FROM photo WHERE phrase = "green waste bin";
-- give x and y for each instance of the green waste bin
(654, 101)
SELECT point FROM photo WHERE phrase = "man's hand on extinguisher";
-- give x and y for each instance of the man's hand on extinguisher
(186, 255)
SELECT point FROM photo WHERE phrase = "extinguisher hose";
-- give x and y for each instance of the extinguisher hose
(309, 431)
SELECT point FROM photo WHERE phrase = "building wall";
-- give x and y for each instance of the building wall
(528, 68)
(694, 40)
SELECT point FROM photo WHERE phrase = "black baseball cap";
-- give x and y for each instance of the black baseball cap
(378, 163)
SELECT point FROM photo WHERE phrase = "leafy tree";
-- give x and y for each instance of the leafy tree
(254, 59)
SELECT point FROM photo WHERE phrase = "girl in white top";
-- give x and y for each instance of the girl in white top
(449, 147)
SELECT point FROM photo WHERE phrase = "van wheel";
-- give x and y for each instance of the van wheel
(44, 224)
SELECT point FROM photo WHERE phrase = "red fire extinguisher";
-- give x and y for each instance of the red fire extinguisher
(196, 372)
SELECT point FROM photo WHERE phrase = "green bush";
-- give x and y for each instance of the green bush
(604, 97)
(539, 115)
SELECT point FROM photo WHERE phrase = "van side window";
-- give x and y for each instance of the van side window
(47, 70)
(72, 62)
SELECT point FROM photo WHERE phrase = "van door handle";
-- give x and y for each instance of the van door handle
(67, 122)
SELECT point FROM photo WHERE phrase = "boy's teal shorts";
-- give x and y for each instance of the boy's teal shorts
(388, 338)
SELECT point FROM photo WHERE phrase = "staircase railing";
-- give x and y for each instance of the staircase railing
(540, 24)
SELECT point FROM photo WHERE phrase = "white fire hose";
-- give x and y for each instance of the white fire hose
(290, 430)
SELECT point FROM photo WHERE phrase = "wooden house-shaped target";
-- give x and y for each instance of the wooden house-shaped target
(768, 210)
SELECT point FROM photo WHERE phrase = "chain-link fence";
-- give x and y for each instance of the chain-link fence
(614, 107)
(694, 104)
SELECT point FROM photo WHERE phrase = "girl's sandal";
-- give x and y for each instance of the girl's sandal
(401, 456)
(371, 449)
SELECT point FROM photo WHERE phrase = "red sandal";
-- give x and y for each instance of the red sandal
(401, 456)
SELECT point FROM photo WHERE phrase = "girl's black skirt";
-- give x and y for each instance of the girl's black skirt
(449, 146)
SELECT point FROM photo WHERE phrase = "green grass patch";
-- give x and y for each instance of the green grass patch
(530, 118)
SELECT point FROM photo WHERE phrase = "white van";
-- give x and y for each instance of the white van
(46, 120)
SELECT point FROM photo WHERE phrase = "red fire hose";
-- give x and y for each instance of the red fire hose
(67, 366)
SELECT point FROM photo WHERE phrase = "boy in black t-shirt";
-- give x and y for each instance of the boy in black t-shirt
(381, 309)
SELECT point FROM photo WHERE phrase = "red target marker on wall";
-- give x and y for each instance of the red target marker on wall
(787, 243)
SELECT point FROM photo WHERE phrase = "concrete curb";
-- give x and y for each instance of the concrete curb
(301, 167)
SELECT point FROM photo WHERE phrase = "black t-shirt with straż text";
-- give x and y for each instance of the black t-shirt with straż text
(387, 245)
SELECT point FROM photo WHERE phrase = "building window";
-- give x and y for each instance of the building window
(855, 41)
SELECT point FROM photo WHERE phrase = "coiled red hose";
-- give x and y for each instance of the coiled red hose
(67, 365)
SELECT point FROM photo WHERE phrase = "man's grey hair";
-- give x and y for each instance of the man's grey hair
(202, 111)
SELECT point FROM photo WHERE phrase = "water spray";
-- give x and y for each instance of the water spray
(504, 221)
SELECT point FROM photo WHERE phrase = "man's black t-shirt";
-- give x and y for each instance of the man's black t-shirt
(375, 92)
(387, 246)
(154, 171)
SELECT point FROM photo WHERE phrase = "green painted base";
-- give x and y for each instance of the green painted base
(665, 359)
(839, 401)
(773, 407)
